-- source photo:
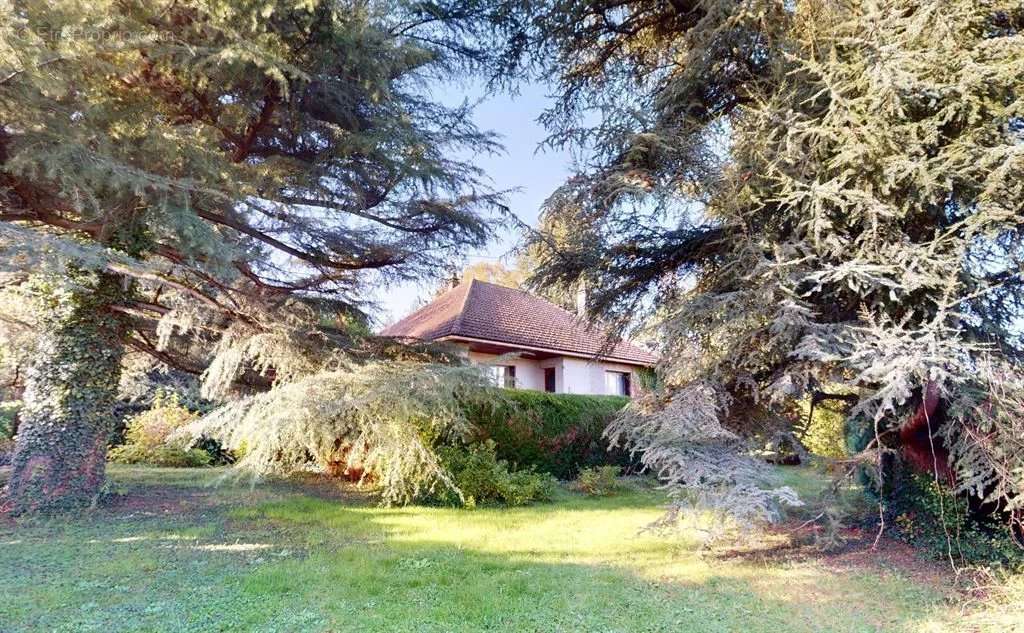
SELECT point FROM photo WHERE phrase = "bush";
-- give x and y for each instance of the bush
(602, 481)
(170, 456)
(219, 456)
(146, 437)
(930, 517)
(555, 433)
(486, 480)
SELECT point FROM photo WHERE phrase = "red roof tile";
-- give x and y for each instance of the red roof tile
(480, 310)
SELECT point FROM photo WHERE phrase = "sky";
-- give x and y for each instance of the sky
(534, 173)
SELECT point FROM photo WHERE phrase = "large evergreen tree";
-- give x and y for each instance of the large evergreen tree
(823, 199)
(217, 167)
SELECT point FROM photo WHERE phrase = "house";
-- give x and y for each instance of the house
(554, 350)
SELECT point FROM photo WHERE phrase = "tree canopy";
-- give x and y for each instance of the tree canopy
(237, 171)
(813, 199)
(225, 150)
(814, 196)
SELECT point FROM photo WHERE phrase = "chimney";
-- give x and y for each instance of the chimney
(581, 301)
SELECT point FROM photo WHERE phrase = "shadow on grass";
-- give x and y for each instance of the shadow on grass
(297, 558)
(368, 585)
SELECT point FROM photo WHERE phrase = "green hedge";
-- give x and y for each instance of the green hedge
(557, 433)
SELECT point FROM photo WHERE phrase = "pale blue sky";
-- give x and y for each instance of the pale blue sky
(534, 172)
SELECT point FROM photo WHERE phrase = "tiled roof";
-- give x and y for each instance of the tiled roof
(480, 310)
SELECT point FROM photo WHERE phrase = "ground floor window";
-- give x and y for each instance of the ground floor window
(617, 383)
(504, 376)
(549, 379)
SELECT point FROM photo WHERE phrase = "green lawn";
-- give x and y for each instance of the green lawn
(175, 554)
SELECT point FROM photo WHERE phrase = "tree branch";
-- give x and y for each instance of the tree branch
(305, 256)
(267, 111)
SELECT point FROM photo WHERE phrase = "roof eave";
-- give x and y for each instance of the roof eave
(550, 350)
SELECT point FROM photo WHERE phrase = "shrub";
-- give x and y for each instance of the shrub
(484, 479)
(930, 517)
(219, 456)
(146, 437)
(170, 456)
(558, 434)
(599, 482)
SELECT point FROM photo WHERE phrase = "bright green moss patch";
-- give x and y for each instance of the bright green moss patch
(174, 554)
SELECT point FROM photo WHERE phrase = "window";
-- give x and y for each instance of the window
(549, 379)
(617, 383)
(504, 376)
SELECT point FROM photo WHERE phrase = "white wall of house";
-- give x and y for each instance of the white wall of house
(529, 374)
(586, 376)
(572, 375)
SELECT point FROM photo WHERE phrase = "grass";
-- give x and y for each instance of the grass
(175, 554)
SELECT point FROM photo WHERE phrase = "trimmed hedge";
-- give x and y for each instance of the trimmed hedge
(557, 433)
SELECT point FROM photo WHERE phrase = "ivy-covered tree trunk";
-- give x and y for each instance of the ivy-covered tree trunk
(60, 455)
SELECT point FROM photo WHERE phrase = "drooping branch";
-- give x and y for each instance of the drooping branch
(307, 256)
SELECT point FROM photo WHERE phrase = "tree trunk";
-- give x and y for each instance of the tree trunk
(60, 454)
